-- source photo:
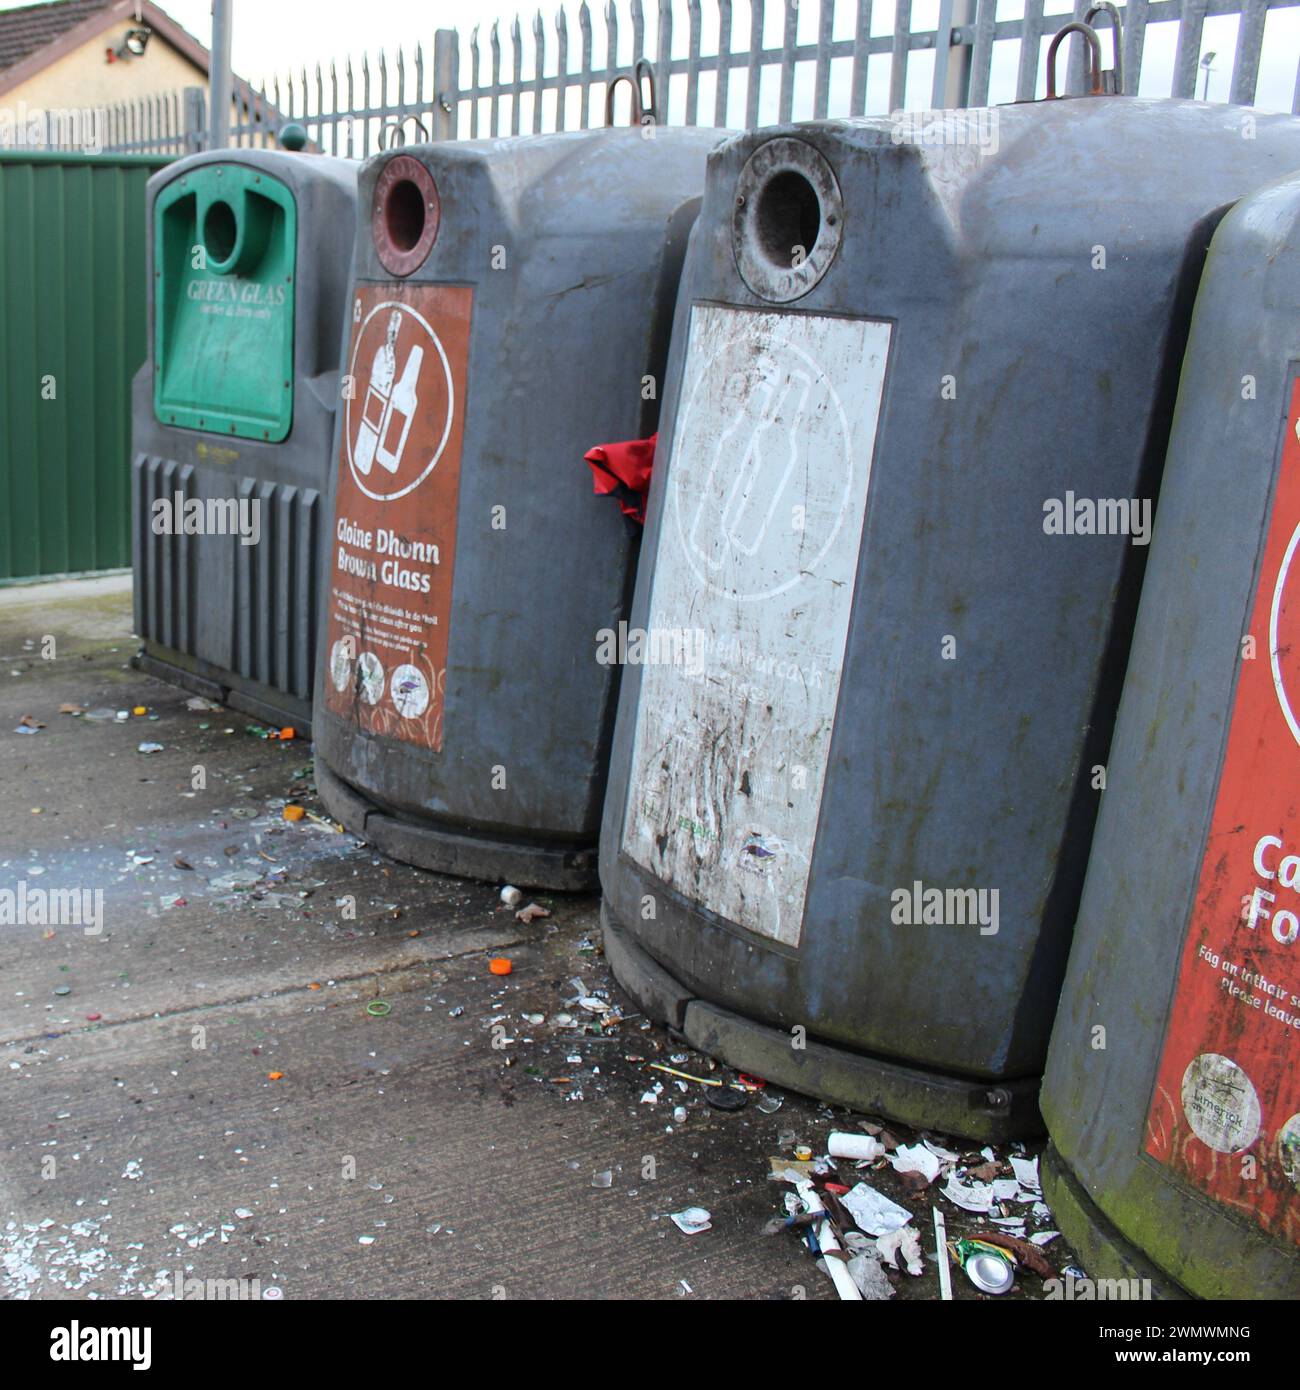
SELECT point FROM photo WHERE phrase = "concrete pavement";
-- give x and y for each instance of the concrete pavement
(283, 1059)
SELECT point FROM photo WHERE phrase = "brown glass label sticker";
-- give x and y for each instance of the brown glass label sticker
(1226, 1108)
(394, 538)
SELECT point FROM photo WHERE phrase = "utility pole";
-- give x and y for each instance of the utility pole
(219, 77)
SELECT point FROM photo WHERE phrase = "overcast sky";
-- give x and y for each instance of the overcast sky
(272, 35)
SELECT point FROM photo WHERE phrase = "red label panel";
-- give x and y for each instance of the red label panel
(392, 547)
(1226, 1110)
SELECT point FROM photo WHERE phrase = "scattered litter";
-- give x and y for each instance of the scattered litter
(854, 1146)
(500, 965)
(791, 1166)
(593, 1005)
(531, 912)
(605, 1179)
(769, 1102)
(379, 1008)
(679, 1115)
(986, 1267)
(150, 748)
(865, 1268)
(946, 1155)
(1021, 1251)
(874, 1212)
(724, 1098)
(1044, 1237)
(74, 710)
(293, 812)
(915, 1158)
(906, 1241)
(201, 706)
(692, 1220)
(829, 1246)
(941, 1256)
(1026, 1171)
(976, 1198)
(511, 896)
(685, 1076)
(275, 1076)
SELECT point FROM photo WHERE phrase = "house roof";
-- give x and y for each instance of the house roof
(33, 37)
(24, 30)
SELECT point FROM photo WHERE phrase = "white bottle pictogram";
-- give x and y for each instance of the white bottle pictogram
(374, 413)
(765, 431)
(400, 412)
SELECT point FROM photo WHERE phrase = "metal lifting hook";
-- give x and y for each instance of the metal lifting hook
(1094, 51)
(1112, 79)
(642, 81)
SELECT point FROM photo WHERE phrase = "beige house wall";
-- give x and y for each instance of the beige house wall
(83, 78)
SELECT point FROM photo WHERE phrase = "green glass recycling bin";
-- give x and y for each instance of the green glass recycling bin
(233, 418)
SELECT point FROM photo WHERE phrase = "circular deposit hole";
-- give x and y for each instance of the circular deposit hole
(404, 215)
(788, 216)
(219, 231)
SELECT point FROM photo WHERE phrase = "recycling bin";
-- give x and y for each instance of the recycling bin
(915, 414)
(233, 421)
(1172, 1090)
(511, 308)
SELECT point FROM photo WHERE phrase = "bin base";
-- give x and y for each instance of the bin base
(271, 707)
(562, 868)
(987, 1111)
(1105, 1253)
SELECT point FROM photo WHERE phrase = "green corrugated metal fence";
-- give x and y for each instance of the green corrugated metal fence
(72, 335)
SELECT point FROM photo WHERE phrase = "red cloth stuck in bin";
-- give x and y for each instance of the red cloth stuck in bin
(624, 470)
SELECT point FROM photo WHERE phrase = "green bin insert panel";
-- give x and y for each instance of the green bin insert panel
(225, 243)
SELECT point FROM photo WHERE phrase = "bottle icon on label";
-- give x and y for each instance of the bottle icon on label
(400, 413)
(765, 433)
(374, 413)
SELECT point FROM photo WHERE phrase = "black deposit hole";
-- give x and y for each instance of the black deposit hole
(404, 215)
(219, 231)
(788, 217)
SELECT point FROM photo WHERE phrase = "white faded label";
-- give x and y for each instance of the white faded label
(757, 554)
